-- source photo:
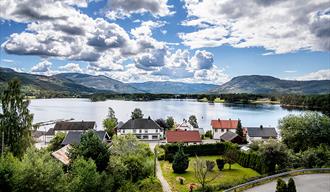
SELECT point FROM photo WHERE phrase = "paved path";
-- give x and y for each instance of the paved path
(304, 183)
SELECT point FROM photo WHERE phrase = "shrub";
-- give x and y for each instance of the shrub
(209, 134)
(220, 163)
(180, 162)
(150, 184)
(281, 186)
(56, 142)
(210, 165)
(291, 186)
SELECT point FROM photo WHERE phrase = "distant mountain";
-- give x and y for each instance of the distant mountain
(43, 83)
(258, 84)
(99, 82)
(173, 87)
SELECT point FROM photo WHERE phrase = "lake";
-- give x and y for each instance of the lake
(83, 109)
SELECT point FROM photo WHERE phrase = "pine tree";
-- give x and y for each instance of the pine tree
(180, 162)
(239, 129)
(16, 120)
(291, 186)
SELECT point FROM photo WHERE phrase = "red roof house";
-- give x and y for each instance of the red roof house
(182, 136)
(224, 124)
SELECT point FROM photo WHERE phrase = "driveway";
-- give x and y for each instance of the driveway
(304, 183)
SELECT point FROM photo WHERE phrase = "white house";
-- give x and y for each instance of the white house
(220, 127)
(143, 129)
(260, 133)
(186, 126)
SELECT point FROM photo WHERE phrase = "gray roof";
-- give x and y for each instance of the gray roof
(261, 132)
(74, 125)
(140, 124)
(73, 137)
(50, 131)
(228, 136)
(120, 123)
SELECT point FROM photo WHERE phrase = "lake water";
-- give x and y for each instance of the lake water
(83, 109)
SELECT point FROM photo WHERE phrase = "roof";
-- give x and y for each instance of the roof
(224, 124)
(181, 136)
(73, 137)
(228, 136)
(62, 154)
(50, 131)
(185, 125)
(37, 134)
(261, 132)
(74, 125)
(140, 124)
(120, 123)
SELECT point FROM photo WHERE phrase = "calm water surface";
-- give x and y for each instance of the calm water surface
(83, 109)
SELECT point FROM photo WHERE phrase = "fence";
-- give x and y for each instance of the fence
(255, 182)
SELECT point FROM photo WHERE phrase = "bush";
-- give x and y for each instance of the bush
(150, 184)
(220, 163)
(291, 186)
(316, 157)
(180, 162)
(56, 142)
(209, 134)
(210, 165)
(281, 186)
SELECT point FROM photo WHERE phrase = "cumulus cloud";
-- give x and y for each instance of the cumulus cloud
(124, 8)
(42, 67)
(323, 74)
(202, 60)
(71, 67)
(278, 26)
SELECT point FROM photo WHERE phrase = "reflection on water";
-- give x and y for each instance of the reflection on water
(83, 109)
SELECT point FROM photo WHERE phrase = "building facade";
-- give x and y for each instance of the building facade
(220, 127)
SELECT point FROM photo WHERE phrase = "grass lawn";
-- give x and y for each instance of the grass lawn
(236, 174)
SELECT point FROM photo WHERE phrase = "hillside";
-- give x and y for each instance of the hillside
(173, 87)
(257, 84)
(33, 82)
(99, 82)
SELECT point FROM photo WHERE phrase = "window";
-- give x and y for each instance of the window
(123, 130)
(216, 130)
(154, 137)
(222, 130)
(140, 130)
(145, 131)
(145, 136)
(156, 130)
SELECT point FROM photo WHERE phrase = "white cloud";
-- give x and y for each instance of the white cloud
(71, 67)
(202, 60)
(278, 26)
(290, 71)
(146, 28)
(42, 67)
(124, 8)
(323, 74)
(7, 60)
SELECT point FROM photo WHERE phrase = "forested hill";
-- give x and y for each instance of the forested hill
(257, 84)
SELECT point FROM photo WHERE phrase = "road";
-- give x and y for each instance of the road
(304, 183)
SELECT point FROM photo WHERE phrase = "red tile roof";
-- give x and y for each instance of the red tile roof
(224, 124)
(181, 136)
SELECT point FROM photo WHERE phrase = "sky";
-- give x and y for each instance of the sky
(208, 41)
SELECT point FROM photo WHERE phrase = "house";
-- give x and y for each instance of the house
(185, 125)
(220, 127)
(183, 136)
(260, 133)
(73, 137)
(66, 126)
(144, 129)
(231, 137)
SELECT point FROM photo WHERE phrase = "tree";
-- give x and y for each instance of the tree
(209, 134)
(220, 163)
(162, 123)
(230, 157)
(137, 114)
(291, 186)
(239, 129)
(281, 186)
(110, 122)
(210, 165)
(16, 120)
(316, 157)
(202, 173)
(56, 142)
(274, 153)
(170, 122)
(92, 147)
(306, 130)
(193, 121)
(180, 162)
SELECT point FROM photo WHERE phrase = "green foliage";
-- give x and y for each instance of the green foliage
(320, 102)
(220, 163)
(162, 123)
(92, 147)
(16, 120)
(128, 187)
(231, 157)
(180, 162)
(210, 165)
(55, 143)
(38, 171)
(8, 166)
(110, 122)
(306, 130)
(170, 122)
(281, 186)
(193, 121)
(291, 186)
(150, 184)
(316, 157)
(239, 129)
(202, 170)
(209, 134)
(137, 114)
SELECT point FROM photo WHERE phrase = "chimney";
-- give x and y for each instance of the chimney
(261, 126)
(218, 119)
(149, 118)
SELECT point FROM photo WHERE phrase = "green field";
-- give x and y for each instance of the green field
(226, 176)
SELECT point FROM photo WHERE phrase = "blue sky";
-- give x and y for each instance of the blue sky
(190, 41)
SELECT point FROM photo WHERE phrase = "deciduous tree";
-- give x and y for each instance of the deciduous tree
(137, 114)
